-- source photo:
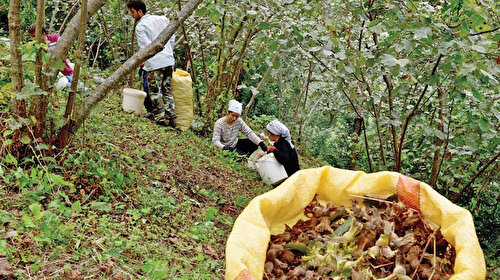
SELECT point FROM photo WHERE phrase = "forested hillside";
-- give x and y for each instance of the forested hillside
(89, 191)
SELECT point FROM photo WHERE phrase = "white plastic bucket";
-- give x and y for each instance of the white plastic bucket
(270, 170)
(62, 82)
(133, 100)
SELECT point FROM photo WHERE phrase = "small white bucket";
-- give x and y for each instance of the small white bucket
(270, 170)
(133, 100)
(62, 82)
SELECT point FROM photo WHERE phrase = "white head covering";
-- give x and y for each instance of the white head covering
(277, 128)
(234, 106)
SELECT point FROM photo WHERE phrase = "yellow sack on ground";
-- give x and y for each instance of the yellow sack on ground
(183, 98)
(268, 213)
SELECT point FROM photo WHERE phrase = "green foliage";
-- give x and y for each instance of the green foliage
(355, 53)
(262, 120)
(332, 148)
(156, 269)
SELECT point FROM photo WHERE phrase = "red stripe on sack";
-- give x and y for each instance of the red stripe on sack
(244, 275)
(409, 191)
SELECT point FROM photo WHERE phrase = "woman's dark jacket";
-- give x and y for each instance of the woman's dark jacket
(287, 156)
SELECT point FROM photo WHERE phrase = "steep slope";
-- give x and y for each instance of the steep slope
(129, 199)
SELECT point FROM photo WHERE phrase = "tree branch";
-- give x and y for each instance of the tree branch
(410, 116)
(254, 95)
(469, 184)
(484, 32)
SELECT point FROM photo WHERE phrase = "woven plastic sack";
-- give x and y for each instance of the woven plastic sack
(183, 98)
(268, 213)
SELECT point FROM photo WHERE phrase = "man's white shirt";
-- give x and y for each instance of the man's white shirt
(147, 29)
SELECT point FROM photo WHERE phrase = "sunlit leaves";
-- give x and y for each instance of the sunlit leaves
(297, 33)
(422, 33)
(30, 89)
(100, 206)
(200, 12)
(156, 269)
(25, 139)
(264, 25)
(484, 124)
(390, 60)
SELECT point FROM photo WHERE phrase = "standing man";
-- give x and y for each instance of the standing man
(159, 102)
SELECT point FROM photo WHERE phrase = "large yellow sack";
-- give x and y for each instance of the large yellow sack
(268, 213)
(183, 98)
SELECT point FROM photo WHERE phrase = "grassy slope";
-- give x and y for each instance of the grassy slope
(146, 202)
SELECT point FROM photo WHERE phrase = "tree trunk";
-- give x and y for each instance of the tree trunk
(78, 57)
(38, 107)
(389, 85)
(19, 106)
(96, 55)
(377, 121)
(190, 58)
(104, 24)
(64, 134)
(306, 120)
(156, 46)
(89, 53)
(410, 116)
(367, 147)
(486, 181)
(231, 86)
(438, 142)
(132, 50)
(40, 19)
(202, 52)
(392, 127)
(306, 89)
(216, 85)
(357, 130)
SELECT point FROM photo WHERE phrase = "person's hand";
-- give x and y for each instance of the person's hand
(271, 149)
(263, 146)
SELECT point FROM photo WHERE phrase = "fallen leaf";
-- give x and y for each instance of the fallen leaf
(5, 268)
(106, 268)
(75, 275)
(210, 252)
(11, 234)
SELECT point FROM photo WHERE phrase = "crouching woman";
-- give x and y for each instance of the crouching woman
(283, 149)
(226, 131)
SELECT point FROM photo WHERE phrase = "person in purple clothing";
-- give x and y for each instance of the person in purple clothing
(52, 39)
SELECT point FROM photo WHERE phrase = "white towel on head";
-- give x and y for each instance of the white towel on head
(277, 128)
(234, 106)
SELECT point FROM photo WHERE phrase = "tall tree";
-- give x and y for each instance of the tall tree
(19, 105)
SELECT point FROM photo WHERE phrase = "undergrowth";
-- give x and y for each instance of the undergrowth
(127, 200)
